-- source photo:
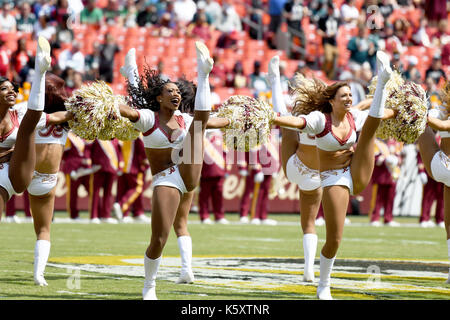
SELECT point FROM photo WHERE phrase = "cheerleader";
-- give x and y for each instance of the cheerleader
(50, 141)
(167, 132)
(17, 128)
(335, 125)
(436, 159)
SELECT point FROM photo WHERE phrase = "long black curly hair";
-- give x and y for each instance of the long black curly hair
(150, 85)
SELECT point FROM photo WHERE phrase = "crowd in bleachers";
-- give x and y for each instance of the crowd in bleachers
(330, 39)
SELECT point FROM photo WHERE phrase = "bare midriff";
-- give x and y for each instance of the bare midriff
(160, 159)
(308, 155)
(332, 160)
(445, 146)
(48, 157)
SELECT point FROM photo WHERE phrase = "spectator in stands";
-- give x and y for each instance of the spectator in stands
(61, 12)
(4, 56)
(328, 28)
(436, 11)
(276, 14)
(64, 34)
(366, 75)
(185, 11)
(446, 54)
(19, 60)
(25, 19)
(200, 28)
(219, 72)
(386, 8)
(72, 57)
(435, 71)
(165, 27)
(258, 81)
(106, 62)
(255, 14)
(43, 27)
(412, 73)
(7, 20)
(397, 63)
(362, 48)
(76, 81)
(129, 14)
(228, 40)
(401, 31)
(92, 63)
(236, 78)
(213, 11)
(91, 14)
(229, 20)
(111, 12)
(419, 35)
(293, 13)
(442, 35)
(148, 16)
(349, 13)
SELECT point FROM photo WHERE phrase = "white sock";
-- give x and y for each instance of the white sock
(309, 251)
(279, 105)
(326, 266)
(151, 267)
(185, 246)
(41, 254)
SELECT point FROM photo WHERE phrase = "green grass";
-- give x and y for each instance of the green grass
(270, 244)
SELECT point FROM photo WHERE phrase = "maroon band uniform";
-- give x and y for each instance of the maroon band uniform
(130, 184)
(105, 153)
(76, 156)
(212, 176)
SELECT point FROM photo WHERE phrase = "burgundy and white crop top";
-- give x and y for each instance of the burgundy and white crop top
(319, 125)
(17, 113)
(156, 137)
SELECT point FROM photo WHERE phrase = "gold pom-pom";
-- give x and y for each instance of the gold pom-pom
(408, 99)
(96, 113)
(444, 93)
(250, 122)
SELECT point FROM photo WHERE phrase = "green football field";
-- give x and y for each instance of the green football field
(235, 261)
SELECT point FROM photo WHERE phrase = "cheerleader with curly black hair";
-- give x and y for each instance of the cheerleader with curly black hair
(174, 146)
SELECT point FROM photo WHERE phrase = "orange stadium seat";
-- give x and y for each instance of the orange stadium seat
(224, 93)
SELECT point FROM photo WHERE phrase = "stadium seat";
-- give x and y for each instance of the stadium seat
(224, 93)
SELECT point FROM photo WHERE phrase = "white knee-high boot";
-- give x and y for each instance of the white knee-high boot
(278, 102)
(41, 254)
(151, 267)
(379, 98)
(130, 68)
(36, 100)
(185, 246)
(309, 251)
(323, 289)
(204, 66)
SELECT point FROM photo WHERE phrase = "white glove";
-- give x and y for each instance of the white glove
(259, 177)
(243, 173)
(391, 160)
(423, 177)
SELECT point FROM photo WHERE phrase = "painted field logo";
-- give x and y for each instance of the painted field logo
(351, 278)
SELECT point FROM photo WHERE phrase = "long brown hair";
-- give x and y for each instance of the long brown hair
(313, 95)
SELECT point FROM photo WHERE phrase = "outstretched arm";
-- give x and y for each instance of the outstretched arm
(59, 117)
(290, 122)
(129, 113)
(437, 124)
(364, 104)
(217, 123)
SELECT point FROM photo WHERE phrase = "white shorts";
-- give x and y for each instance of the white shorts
(5, 182)
(171, 178)
(42, 183)
(440, 168)
(297, 172)
(337, 177)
